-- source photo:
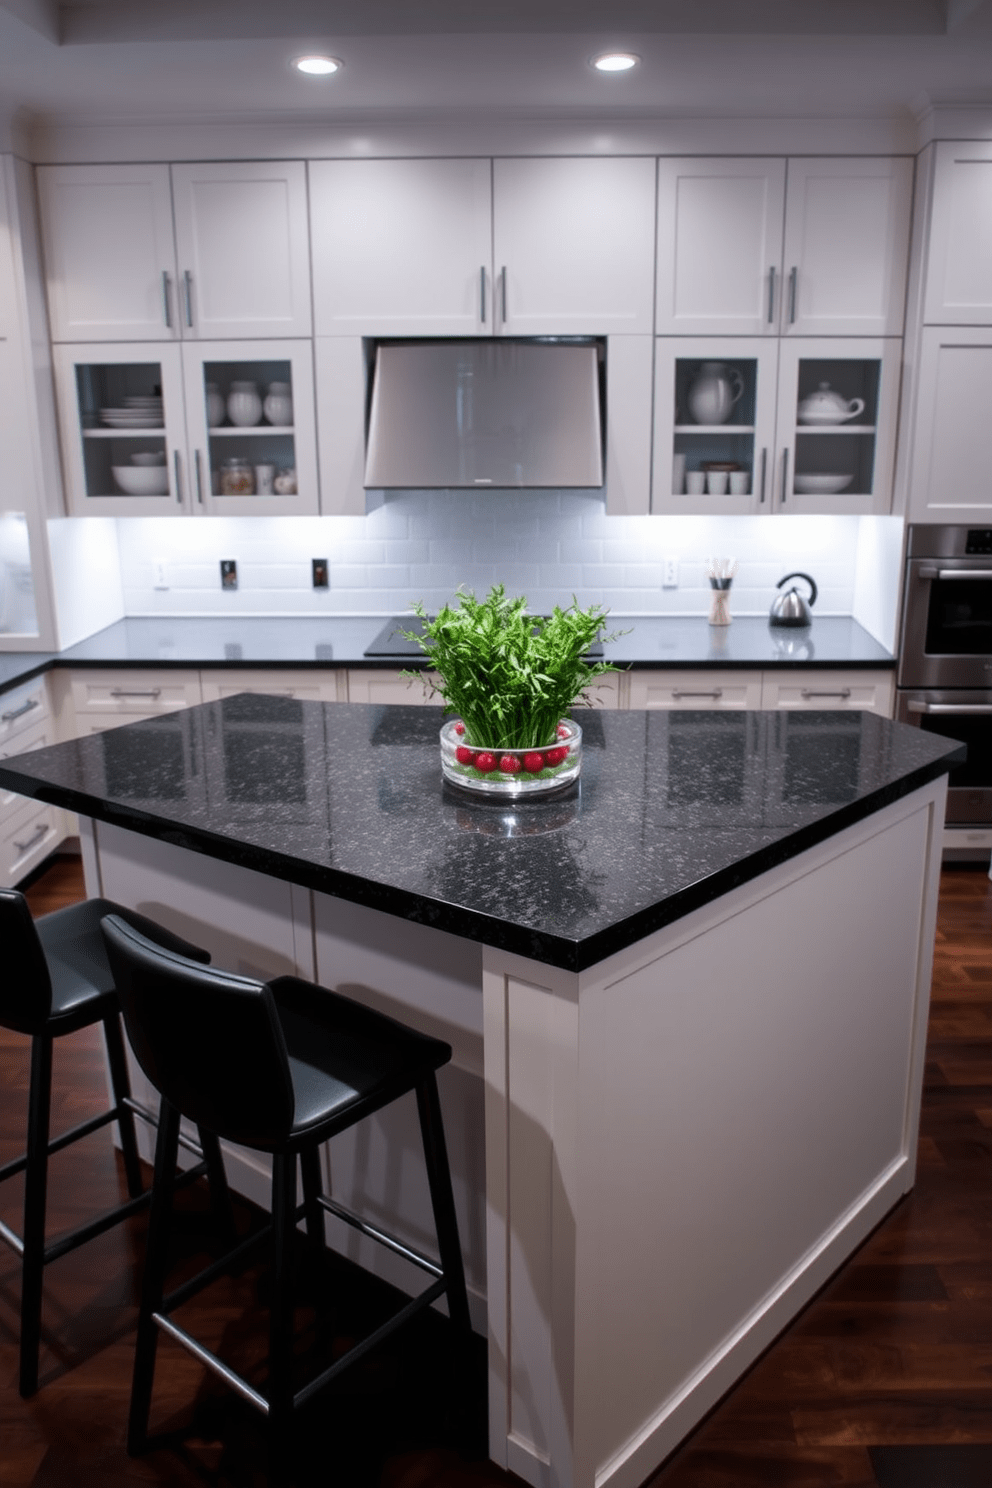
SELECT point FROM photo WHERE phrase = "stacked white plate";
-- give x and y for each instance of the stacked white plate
(137, 413)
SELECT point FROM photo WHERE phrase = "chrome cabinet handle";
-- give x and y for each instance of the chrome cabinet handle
(679, 692)
(148, 692)
(188, 293)
(764, 472)
(793, 276)
(916, 707)
(177, 466)
(771, 294)
(502, 289)
(955, 573)
(785, 473)
(482, 294)
(34, 839)
(20, 712)
(199, 477)
(809, 692)
(166, 298)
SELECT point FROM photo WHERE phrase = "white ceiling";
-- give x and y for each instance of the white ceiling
(183, 59)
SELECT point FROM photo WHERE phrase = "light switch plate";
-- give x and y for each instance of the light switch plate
(228, 573)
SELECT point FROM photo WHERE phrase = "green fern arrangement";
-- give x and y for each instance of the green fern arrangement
(510, 676)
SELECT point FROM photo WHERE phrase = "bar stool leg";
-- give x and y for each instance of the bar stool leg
(122, 1092)
(442, 1198)
(153, 1281)
(310, 1172)
(35, 1197)
(220, 1194)
(280, 1391)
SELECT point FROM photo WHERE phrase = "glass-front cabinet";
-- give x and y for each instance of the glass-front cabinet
(749, 426)
(216, 428)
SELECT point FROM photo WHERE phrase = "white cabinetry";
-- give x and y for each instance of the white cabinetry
(958, 286)
(387, 686)
(231, 259)
(951, 478)
(330, 686)
(97, 386)
(787, 464)
(466, 247)
(29, 829)
(775, 688)
(103, 698)
(765, 247)
(872, 692)
(706, 688)
(401, 247)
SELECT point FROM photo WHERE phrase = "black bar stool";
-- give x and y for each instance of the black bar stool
(278, 1067)
(57, 980)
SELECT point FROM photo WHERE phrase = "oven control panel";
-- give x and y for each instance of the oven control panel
(979, 540)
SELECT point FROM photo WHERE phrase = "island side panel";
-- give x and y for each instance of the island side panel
(742, 1112)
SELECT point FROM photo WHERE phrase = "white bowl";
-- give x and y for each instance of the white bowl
(821, 485)
(142, 480)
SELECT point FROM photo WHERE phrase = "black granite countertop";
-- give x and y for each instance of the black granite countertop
(652, 641)
(673, 809)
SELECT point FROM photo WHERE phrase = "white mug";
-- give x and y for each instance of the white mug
(264, 477)
(695, 482)
(740, 481)
(716, 482)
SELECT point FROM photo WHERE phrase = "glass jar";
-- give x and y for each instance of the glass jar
(237, 478)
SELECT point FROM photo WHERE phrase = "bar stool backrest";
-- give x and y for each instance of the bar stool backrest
(25, 985)
(210, 1041)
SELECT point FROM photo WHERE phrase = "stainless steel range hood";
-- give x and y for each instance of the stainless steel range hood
(485, 413)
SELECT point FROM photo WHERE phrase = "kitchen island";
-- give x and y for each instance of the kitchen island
(687, 1004)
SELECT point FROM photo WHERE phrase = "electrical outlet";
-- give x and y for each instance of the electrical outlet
(228, 573)
(158, 571)
(319, 570)
(670, 573)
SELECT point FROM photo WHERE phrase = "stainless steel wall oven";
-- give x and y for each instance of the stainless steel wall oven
(945, 658)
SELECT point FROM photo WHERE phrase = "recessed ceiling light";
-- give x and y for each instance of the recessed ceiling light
(316, 66)
(615, 62)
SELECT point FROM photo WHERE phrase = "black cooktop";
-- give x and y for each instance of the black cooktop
(389, 641)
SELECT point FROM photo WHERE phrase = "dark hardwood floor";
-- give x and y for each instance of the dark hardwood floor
(885, 1381)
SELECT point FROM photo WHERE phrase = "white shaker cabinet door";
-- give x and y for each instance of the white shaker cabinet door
(573, 246)
(959, 265)
(401, 247)
(951, 473)
(109, 253)
(719, 246)
(242, 249)
(846, 247)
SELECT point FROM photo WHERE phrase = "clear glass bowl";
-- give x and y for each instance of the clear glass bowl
(510, 773)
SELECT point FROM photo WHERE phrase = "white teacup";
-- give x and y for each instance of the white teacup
(716, 482)
(695, 482)
(740, 482)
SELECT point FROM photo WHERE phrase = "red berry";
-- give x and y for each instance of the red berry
(533, 761)
(554, 756)
(509, 764)
(464, 756)
(459, 728)
(562, 731)
(485, 762)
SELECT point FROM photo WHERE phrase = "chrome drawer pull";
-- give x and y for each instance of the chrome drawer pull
(678, 692)
(841, 692)
(149, 692)
(771, 294)
(166, 308)
(917, 707)
(23, 847)
(19, 712)
(956, 573)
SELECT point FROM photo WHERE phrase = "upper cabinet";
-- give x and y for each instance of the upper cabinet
(401, 247)
(473, 247)
(959, 262)
(949, 468)
(140, 253)
(768, 247)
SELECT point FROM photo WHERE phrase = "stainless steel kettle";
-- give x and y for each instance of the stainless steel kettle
(791, 608)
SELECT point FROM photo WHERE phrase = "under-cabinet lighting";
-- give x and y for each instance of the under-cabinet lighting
(317, 66)
(615, 62)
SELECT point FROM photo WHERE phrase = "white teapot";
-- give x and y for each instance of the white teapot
(827, 407)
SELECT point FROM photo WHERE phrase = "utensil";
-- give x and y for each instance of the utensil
(827, 407)
(791, 608)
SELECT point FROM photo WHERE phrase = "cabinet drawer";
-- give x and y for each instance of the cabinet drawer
(25, 838)
(37, 736)
(873, 691)
(716, 689)
(323, 686)
(386, 686)
(22, 708)
(130, 695)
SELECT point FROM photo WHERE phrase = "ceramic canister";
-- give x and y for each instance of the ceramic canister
(216, 407)
(279, 404)
(244, 406)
